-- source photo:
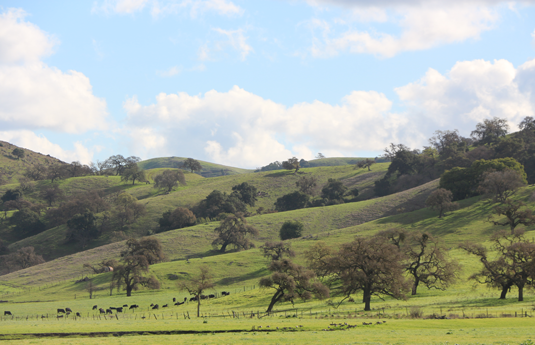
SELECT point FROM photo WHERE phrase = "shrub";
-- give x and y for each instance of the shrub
(291, 229)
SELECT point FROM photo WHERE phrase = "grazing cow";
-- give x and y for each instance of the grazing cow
(102, 311)
(61, 311)
(193, 299)
(164, 306)
(113, 308)
(179, 303)
(156, 307)
(133, 306)
(204, 297)
(7, 312)
(185, 299)
(152, 304)
(108, 311)
(68, 310)
(119, 310)
(78, 314)
(174, 299)
(211, 296)
(95, 307)
(125, 305)
(225, 293)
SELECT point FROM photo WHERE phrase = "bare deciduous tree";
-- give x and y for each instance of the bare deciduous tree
(197, 285)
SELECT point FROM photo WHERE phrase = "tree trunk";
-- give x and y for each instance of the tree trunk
(520, 293)
(223, 247)
(505, 289)
(128, 291)
(198, 305)
(276, 297)
(415, 286)
(367, 300)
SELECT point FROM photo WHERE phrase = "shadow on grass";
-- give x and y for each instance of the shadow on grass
(280, 174)
(252, 275)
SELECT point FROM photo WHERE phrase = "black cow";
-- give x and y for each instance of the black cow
(174, 299)
(61, 311)
(68, 310)
(164, 306)
(102, 311)
(211, 296)
(152, 304)
(113, 308)
(133, 306)
(7, 312)
(156, 307)
(225, 293)
(125, 305)
(95, 307)
(193, 299)
(185, 299)
(119, 310)
(179, 303)
(108, 311)
(78, 314)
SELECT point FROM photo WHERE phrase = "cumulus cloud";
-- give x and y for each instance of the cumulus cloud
(21, 41)
(36, 96)
(471, 92)
(165, 7)
(244, 129)
(39, 143)
(420, 28)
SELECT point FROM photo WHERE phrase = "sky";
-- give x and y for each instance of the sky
(248, 82)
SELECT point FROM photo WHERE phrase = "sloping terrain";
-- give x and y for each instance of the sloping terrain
(208, 169)
(11, 167)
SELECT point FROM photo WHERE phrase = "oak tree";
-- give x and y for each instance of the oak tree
(234, 231)
(192, 164)
(441, 200)
(169, 179)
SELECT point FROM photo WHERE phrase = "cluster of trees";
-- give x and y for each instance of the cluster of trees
(23, 258)
(332, 193)
(450, 152)
(392, 263)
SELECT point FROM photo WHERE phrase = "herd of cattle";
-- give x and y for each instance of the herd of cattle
(68, 311)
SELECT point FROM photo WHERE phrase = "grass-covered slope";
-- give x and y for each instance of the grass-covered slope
(12, 168)
(208, 169)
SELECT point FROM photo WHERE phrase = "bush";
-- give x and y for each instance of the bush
(291, 229)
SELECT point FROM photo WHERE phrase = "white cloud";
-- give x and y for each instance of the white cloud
(471, 92)
(36, 96)
(236, 40)
(170, 72)
(420, 28)
(167, 7)
(240, 128)
(21, 41)
(31, 141)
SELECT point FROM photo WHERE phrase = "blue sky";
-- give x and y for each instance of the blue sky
(245, 83)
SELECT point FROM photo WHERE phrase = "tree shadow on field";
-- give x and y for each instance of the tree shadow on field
(252, 275)
(486, 302)
(280, 174)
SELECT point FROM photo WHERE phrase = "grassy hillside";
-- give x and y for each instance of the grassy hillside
(208, 169)
(239, 271)
(11, 167)
(50, 242)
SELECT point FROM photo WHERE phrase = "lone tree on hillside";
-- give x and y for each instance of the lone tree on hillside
(290, 281)
(490, 131)
(234, 230)
(197, 285)
(192, 164)
(132, 173)
(426, 262)
(245, 192)
(291, 229)
(135, 261)
(307, 185)
(371, 265)
(441, 200)
(18, 152)
(179, 218)
(366, 163)
(82, 228)
(169, 179)
(291, 164)
(52, 194)
(500, 186)
(277, 250)
(334, 190)
(292, 201)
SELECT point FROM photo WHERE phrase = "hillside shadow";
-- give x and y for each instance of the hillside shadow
(10, 157)
(252, 275)
(280, 174)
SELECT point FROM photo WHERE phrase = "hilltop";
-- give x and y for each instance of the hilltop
(208, 169)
